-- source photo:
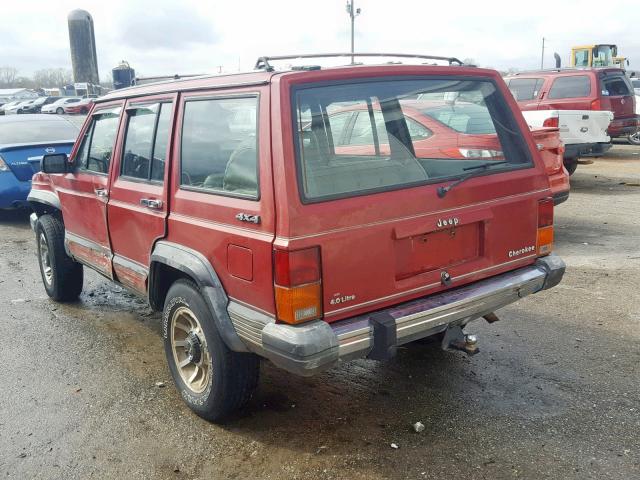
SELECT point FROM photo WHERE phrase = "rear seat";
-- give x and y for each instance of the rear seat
(354, 173)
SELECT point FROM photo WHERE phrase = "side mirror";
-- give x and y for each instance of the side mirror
(55, 163)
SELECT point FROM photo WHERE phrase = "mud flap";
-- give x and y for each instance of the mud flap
(385, 337)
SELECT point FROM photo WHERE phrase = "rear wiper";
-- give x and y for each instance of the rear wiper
(477, 170)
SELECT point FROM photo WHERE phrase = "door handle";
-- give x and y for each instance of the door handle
(101, 192)
(151, 203)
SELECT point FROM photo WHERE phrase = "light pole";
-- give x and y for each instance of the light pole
(353, 13)
(542, 58)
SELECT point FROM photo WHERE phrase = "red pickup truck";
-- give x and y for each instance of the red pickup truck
(229, 203)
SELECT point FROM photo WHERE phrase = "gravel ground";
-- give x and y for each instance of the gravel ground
(554, 393)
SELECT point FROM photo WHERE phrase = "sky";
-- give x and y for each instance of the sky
(162, 37)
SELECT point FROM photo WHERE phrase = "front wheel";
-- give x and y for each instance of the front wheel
(634, 138)
(60, 110)
(61, 275)
(213, 380)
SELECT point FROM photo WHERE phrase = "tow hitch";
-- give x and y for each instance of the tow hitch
(455, 339)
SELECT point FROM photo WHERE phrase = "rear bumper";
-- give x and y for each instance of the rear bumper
(13, 192)
(560, 197)
(575, 150)
(310, 348)
(623, 126)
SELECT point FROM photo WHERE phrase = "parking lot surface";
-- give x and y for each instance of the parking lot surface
(554, 393)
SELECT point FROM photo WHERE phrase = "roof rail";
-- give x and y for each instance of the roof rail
(160, 78)
(563, 69)
(263, 62)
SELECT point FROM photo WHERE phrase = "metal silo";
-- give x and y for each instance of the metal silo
(83, 47)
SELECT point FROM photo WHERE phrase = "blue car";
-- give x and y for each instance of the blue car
(24, 139)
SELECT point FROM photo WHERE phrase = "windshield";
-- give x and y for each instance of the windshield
(358, 138)
(39, 131)
(603, 56)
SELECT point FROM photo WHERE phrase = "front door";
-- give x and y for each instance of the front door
(84, 192)
(137, 207)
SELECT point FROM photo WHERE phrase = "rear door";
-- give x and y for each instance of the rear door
(617, 96)
(138, 206)
(394, 225)
(84, 192)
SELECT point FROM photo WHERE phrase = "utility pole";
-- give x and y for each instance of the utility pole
(542, 58)
(353, 13)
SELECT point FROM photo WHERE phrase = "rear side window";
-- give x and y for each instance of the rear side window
(575, 86)
(219, 146)
(145, 146)
(615, 86)
(525, 88)
(401, 133)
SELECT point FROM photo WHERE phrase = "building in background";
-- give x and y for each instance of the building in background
(11, 94)
(83, 47)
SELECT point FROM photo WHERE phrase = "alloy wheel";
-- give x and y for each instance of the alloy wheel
(190, 351)
(45, 260)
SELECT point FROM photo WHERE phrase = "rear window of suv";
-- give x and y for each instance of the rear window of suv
(574, 86)
(358, 138)
(615, 86)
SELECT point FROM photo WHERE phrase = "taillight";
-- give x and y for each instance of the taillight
(298, 285)
(544, 241)
(596, 104)
(3, 166)
(473, 153)
(551, 122)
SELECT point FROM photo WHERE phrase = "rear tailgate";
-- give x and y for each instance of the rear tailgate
(576, 126)
(384, 232)
(617, 95)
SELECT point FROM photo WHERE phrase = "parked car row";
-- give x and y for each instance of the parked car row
(57, 105)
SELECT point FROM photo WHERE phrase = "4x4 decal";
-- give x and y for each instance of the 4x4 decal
(245, 217)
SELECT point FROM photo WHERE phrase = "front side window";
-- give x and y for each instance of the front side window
(219, 146)
(401, 133)
(574, 86)
(97, 146)
(525, 88)
(146, 141)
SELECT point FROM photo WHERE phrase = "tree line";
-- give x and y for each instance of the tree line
(45, 78)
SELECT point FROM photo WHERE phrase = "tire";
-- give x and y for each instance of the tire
(19, 112)
(571, 165)
(212, 380)
(59, 110)
(61, 276)
(84, 111)
(634, 138)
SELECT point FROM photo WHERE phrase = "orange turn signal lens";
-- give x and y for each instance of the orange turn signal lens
(299, 304)
(545, 240)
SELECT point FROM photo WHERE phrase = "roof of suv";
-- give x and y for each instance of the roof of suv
(565, 71)
(262, 77)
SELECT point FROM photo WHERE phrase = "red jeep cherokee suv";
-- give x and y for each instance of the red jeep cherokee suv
(228, 202)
